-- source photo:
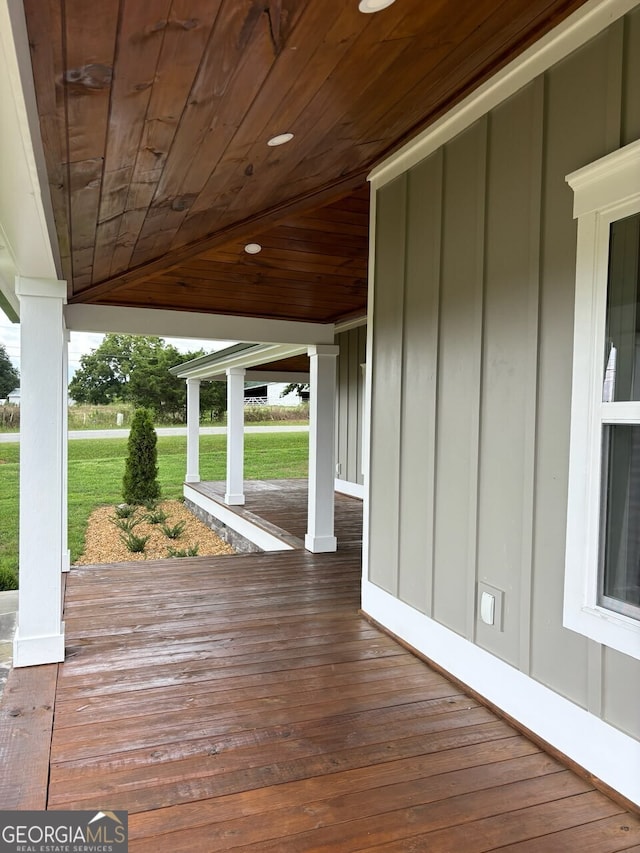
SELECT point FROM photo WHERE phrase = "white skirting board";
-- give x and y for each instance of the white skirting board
(354, 490)
(607, 753)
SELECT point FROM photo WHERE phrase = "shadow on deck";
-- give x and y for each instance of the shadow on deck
(242, 703)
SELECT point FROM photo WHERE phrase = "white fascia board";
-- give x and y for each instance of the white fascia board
(186, 324)
(244, 359)
(585, 23)
(277, 376)
(346, 325)
(27, 231)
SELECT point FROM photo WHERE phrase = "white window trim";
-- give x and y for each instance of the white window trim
(604, 192)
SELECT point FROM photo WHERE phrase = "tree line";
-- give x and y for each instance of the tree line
(9, 376)
(134, 369)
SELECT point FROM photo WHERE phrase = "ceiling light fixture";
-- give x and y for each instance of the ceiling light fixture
(368, 6)
(280, 139)
(253, 248)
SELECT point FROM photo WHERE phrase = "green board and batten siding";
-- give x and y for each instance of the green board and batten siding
(472, 360)
(349, 403)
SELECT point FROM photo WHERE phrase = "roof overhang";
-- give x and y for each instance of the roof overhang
(245, 356)
(28, 246)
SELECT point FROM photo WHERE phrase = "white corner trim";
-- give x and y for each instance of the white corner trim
(34, 651)
(231, 519)
(345, 487)
(582, 737)
(570, 34)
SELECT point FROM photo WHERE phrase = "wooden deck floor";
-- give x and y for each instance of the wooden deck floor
(283, 505)
(242, 703)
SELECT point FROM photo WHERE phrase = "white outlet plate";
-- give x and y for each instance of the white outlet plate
(490, 598)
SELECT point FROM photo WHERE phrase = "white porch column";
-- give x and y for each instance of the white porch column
(193, 431)
(234, 496)
(320, 535)
(40, 635)
(64, 402)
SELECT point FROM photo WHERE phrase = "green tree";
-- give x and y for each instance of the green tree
(213, 399)
(299, 387)
(140, 482)
(9, 376)
(133, 369)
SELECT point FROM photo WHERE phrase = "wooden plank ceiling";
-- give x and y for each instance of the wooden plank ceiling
(155, 118)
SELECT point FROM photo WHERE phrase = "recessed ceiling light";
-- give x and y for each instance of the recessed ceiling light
(253, 248)
(280, 139)
(368, 6)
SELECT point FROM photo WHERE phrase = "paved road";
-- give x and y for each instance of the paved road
(8, 437)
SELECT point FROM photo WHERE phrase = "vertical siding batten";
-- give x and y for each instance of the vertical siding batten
(419, 359)
(531, 376)
(508, 380)
(386, 381)
(457, 382)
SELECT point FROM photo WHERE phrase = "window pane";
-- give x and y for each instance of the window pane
(622, 344)
(620, 539)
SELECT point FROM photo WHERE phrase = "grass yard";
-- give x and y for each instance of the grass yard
(96, 467)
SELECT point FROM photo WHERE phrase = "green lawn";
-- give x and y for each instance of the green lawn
(95, 477)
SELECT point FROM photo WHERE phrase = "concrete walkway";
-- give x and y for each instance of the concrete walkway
(8, 437)
(8, 608)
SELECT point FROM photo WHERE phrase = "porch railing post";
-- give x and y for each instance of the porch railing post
(193, 431)
(320, 535)
(234, 495)
(39, 638)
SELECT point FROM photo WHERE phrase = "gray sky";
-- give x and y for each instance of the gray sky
(81, 343)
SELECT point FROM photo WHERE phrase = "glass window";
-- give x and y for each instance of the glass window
(622, 342)
(602, 558)
(619, 571)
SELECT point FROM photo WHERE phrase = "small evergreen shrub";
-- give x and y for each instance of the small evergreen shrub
(140, 482)
(156, 517)
(135, 544)
(126, 524)
(183, 552)
(173, 532)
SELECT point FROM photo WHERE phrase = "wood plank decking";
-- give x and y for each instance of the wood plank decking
(283, 505)
(242, 703)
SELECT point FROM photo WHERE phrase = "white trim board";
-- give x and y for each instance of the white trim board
(354, 490)
(188, 324)
(34, 651)
(585, 23)
(582, 737)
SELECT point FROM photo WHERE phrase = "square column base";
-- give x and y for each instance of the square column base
(320, 544)
(192, 478)
(234, 500)
(33, 651)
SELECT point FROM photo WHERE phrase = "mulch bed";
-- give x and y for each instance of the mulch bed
(104, 541)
